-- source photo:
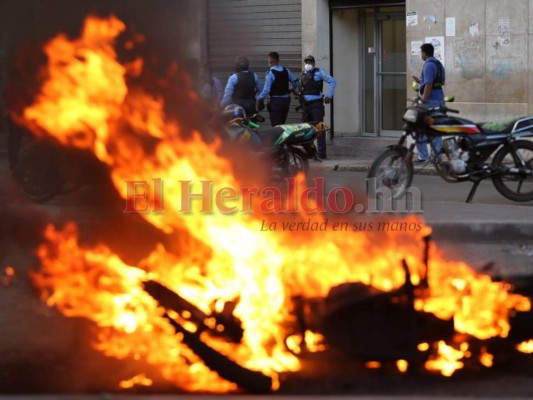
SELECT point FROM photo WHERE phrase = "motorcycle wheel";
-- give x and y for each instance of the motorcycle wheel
(512, 186)
(393, 171)
(37, 173)
(297, 162)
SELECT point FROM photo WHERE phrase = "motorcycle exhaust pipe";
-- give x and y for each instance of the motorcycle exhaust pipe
(528, 172)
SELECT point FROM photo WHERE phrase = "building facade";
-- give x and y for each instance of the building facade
(372, 48)
(254, 28)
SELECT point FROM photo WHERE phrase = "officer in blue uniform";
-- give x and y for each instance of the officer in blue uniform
(277, 86)
(312, 82)
(242, 87)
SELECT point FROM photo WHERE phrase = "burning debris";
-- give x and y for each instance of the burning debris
(526, 347)
(8, 276)
(226, 312)
(137, 380)
(131, 308)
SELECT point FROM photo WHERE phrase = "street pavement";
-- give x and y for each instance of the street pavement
(489, 229)
(489, 214)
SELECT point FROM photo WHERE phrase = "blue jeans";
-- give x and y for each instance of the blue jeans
(422, 140)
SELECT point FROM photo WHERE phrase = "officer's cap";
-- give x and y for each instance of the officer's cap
(309, 58)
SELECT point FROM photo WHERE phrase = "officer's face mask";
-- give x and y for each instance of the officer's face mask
(308, 67)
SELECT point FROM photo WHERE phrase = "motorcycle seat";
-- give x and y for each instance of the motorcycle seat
(269, 135)
(498, 127)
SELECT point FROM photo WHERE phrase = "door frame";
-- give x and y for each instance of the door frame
(377, 74)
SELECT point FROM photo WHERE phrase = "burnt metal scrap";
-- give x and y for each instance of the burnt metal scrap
(218, 324)
(379, 326)
(251, 381)
(367, 323)
(374, 325)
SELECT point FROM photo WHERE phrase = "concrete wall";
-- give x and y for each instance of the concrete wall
(346, 59)
(488, 59)
(315, 38)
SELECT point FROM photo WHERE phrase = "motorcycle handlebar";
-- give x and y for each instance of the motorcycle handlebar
(416, 100)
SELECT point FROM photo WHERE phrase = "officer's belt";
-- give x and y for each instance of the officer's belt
(308, 103)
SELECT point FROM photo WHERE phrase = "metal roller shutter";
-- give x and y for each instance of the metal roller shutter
(254, 28)
(335, 4)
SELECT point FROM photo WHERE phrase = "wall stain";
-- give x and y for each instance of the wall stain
(468, 68)
(501, 68)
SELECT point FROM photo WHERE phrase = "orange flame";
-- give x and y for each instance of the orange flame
(525, 347)
(9, 276)
(137, 380)
(402, 365)
(87, 103)
(485, 358)
(448, 359)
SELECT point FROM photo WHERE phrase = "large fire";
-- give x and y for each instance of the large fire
(86, 102)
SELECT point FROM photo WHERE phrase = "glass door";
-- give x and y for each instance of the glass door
(384, 72)
(391, 72)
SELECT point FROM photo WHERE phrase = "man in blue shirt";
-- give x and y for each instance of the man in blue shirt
(277, 82)
(242, 87)
(210, 86)
(312, 82)
(431, 82)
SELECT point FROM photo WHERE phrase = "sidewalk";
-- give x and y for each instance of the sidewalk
(362, 164)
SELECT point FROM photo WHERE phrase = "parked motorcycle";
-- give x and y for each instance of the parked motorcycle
(288, 147)
(470, 152)
(43, 169)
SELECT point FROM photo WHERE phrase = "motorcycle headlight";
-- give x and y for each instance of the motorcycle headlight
(410, 115)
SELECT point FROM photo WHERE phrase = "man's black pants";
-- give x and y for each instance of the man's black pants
(278, 108)
(314, 113)
(248, 105)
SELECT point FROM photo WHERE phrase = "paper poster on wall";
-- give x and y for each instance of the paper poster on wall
(504, 24)
(411, 18)
(415, 47)
(438, 44)
(473, 29)
(450, 26)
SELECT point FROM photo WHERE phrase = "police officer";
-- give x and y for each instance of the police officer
(431, 92)
(277, 85)
(312, 82)
(242, 87)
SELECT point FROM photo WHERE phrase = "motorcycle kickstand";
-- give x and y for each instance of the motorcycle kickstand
(473, 190)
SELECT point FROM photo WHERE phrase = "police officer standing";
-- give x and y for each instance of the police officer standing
(312, 82)
(242, 87)
(277, 85)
